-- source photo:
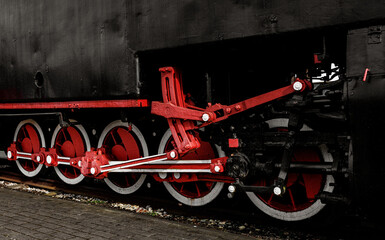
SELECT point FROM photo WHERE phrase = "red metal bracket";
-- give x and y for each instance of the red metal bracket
(180, 125)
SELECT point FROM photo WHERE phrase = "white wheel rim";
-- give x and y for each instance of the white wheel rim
(183, 199)
(83, 132)
(143, 145)
(42, 140)
(312, 210)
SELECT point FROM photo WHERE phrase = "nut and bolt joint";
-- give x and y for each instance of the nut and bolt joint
(9, 154)
(297, 86)
(205, 117)
(49, 159)
(231, 189)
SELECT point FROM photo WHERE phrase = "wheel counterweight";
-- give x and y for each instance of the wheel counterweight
(29, 138)
(123, 141)
(196, 193)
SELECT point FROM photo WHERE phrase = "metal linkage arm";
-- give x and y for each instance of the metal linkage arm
(47, 157)
(227, 111)
(96, 164)
(181, 116)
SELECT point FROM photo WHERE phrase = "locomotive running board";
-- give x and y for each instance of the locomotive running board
(125, 103)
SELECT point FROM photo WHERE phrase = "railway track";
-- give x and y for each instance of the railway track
(236, 216)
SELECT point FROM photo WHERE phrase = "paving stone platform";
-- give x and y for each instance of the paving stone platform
(29, 216)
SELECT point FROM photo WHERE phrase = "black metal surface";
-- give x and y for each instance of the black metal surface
(367, 115)
(65, 49)
(175, 23)
(86, 49)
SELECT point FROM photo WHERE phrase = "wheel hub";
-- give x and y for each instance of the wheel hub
(26, 145)
(68, 149)
(119, 152)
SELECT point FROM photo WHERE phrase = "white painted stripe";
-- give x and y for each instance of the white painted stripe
(133, 165)
(164, 170)
(23, 153)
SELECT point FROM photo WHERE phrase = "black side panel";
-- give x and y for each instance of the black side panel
(366, 49)
(85, 48)
(79, 47)
(170, 23)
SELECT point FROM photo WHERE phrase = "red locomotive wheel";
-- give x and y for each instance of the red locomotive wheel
(122, 143)
(71, 142)
(196, 193)
(29, 138)
(299, 201)
(301, 188)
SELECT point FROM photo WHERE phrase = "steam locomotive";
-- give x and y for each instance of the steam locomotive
(280, 100)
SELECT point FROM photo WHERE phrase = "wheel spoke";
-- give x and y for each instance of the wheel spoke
(127, 183)
(292, 199)
(197, 188)
(113, 138)
(64, 134)
(25, 135)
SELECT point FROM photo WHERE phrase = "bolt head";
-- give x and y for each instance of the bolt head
(205, 117)
(162, 175)
(80, 163)
(231, 189)
(49, 159)
(93, 171)
(176, 175)
(172, 154)
(277, 191)
(9, 154)
(38, 158)
(217, 168)
(297, 86)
